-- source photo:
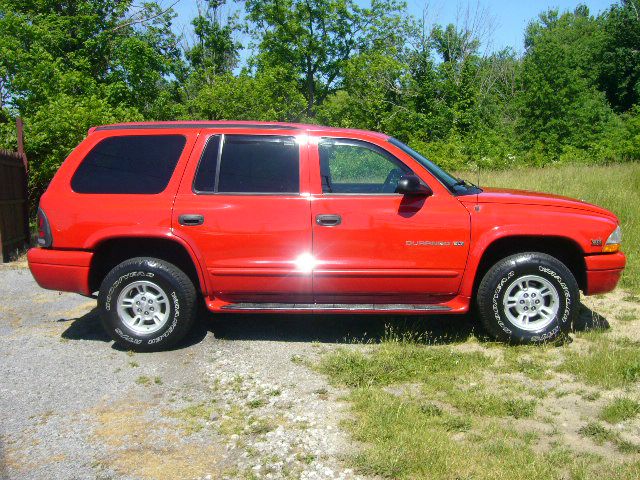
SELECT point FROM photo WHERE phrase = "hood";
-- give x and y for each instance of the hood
(523, 197)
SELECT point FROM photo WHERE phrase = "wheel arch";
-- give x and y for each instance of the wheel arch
(565, 249)
(111, 251)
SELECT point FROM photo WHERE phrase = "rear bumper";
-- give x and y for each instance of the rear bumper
(603, 272)
(64, 270)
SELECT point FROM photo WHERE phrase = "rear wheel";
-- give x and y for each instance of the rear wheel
(147, 304)
(528, 298)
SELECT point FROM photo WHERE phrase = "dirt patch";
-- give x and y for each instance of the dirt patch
(139, 444)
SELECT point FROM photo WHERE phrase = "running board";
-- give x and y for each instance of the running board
(352, 307)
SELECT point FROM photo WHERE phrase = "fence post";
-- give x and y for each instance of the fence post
(20, 134)
(25, 162)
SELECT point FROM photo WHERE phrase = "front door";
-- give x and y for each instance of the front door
(372, 245)
(246, 216)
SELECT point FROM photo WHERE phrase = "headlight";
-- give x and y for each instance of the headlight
(614, 241)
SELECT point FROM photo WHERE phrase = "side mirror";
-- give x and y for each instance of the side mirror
(410, 184)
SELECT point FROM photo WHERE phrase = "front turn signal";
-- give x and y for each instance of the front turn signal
(614, 241)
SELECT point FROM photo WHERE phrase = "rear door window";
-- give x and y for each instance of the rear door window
(258, 164)
(130, 164)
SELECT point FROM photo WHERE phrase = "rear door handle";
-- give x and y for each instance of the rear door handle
(190, 220)
(328, 220)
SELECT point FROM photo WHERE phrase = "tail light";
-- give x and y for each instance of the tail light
(44, 230)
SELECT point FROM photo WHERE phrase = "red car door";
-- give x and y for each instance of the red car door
(243, 204)
(372, 245)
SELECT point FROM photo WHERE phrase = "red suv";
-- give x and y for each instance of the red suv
(274, 217)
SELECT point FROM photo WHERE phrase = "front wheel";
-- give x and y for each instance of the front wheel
(528, 298)
(147, 304)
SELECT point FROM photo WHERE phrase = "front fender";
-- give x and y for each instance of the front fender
(493, 222)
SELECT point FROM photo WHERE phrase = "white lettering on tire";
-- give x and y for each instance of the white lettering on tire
(176, 314)
(496, 294)
(107, 300)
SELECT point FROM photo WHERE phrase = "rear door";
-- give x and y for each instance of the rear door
(246, 210)
(372, 245)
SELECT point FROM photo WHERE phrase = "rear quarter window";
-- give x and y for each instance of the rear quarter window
(137, 164)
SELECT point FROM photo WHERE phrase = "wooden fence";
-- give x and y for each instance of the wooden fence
(14, 204)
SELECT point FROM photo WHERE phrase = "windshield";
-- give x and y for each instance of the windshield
(447, 180)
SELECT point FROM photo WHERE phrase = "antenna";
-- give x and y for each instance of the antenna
(478, 185)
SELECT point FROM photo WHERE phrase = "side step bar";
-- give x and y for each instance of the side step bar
(335, 306)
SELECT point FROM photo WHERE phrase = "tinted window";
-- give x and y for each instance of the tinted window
(259, 164)
(351, 166)
(205, 180)
(129, 164)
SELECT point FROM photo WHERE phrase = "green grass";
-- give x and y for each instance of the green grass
(467, 409)
(600, 434)
(400, 360)
(607, 362)
(615, 187)
(404, 440)
(619, 410)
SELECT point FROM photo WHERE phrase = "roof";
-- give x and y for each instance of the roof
(230, 124)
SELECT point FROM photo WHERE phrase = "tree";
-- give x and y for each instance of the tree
(315, 38)
(373, 95)
(214, 52)
(270, 95)
(619, 64)
(559, 102)
(66, 66)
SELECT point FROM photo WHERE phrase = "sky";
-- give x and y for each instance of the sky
(507, 19)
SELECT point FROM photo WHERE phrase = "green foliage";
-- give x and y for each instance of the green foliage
(560, 105)
(270, 95)
(315, 38)
(215, 50)
(619, 65)
(571, 97)
(68, 66)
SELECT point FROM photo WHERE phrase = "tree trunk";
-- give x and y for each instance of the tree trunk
(311, 90)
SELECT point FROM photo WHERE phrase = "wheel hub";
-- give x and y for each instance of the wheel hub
(531, 302)
(143, 306)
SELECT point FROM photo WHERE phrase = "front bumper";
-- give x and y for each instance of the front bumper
(64, 270)
(603, 272)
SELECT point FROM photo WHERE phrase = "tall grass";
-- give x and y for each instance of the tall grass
(615, 187)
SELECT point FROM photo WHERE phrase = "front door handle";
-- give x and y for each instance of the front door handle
(328, 220)
(190, 220)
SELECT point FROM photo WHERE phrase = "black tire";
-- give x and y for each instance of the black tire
(180, 307)
(506, 276)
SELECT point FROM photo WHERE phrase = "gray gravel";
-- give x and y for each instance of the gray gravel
(236, 400)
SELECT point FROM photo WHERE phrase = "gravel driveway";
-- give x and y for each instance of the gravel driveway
(236, 400)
